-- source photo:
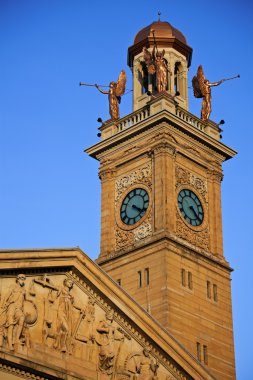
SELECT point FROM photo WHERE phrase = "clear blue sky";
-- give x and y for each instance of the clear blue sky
(50, 192)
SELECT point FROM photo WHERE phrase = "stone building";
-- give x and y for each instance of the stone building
(157, 302)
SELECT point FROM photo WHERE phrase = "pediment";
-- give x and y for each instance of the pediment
(63, 317)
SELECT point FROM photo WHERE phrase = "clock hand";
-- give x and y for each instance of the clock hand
(137, 208)
(194, 212)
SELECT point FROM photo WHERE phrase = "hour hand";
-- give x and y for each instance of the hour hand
(136, 208)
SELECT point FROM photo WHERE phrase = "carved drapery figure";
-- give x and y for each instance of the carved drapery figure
(202, 89)
(147, 367)
(13, 316)
(116, 90)
(156, 63)
(106, 341)
(65, 320)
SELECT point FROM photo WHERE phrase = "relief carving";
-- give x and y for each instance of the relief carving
(17, 314)
(123, 238)
(144, 230)
(109, 351)
(142, 365)
(142, 175)
(65, 327)
(197, 238)
(102, 342)
(106, 173)
(200, 185)
(184, 177)
(60, 323)
(164, 147)
(215, 176)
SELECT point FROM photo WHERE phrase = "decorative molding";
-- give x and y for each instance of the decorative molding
(164, 135)
(123, 238)
(197, 238)
(20, 372)
(215, 176)
(142, 175)
(191, 149)
(184, 177)
(199, 184)
(145, 229)
(164, 147)
(105, 174)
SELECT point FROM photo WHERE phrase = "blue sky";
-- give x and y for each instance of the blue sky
(50, 191)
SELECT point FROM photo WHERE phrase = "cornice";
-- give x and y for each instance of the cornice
(152, 121)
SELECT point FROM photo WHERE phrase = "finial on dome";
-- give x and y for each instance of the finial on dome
(159, 14)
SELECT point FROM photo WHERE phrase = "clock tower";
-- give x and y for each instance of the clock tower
(161, 225)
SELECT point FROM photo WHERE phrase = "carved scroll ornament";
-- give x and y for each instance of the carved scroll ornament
(142, 175)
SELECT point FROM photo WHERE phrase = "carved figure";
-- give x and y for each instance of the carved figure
(106, 341)
(65, 331)
(116, 89)
(202, 89)
(147, 367)
(156, 63)
(16, 313)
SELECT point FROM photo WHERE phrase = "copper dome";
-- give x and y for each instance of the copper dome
(162, 29)
(165, 36)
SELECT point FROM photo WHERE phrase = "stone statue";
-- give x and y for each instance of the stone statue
(16, 313)
(156, 63)
(116, 89)
(147, 367)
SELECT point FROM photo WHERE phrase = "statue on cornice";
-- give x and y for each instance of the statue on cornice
(116, 90)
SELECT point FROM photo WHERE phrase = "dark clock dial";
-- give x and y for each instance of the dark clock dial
(190, 207)
(134, 206)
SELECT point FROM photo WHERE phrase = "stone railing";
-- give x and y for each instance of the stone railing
(190, 119)
(134, 118)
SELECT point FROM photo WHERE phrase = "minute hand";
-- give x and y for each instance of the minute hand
(192, 208)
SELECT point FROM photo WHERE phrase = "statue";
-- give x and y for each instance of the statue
(156, 63)
(116, 89)
(16, 314)
(146, 367)
(202, 89)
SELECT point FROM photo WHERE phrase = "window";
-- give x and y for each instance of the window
(208, 289)
(204, 350)
(147, 276)
(189, 280)
(199, 351)
(183, 277)
(186, 279)
(140, 278)
(119, 281)
(215, 293)
(205, 357)
(212, 291)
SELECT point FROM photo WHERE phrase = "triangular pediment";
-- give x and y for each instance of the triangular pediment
(65, 318)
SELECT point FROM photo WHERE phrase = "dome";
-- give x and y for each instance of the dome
(162, 29)
(166, 36)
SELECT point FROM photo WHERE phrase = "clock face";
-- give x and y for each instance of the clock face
(134, 206)
(190, 207)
